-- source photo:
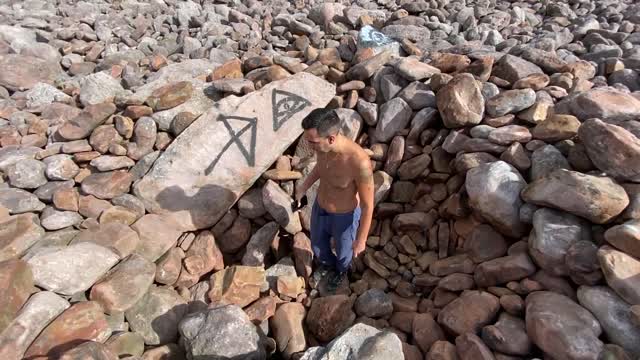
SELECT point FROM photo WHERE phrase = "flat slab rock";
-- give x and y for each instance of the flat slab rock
(71, 269)
(227, 149)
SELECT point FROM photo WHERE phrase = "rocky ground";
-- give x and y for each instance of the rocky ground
(504, 137)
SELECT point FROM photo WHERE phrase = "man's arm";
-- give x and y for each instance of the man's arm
(312, 177)
(365, 185)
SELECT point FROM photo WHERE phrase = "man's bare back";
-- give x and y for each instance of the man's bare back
(338, 191)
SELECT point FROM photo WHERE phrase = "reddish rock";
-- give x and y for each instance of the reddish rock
(239, 285)
(442, 350)
(303, 254)
(83, 321)
(170, 96)
(107, 185)
(137, 111)
(330, 316)
(562, 328)
(426, 331)
(262, 309)
(169, 266)
(124, 285)
(469, 313)
(16, 284)
(470, 347)
(504, 269)
(202, 257)
(89, 350)
(157, 235)
(116, 236)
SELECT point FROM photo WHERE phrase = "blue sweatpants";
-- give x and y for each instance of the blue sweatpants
(343, 227)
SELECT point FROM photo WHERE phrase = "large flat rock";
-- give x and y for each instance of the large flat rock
(216, 159)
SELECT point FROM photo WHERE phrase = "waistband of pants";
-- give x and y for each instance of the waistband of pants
(325, 212)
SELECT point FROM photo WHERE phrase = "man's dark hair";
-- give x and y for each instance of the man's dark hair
(325, 121)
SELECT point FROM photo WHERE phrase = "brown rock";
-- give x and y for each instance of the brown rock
(533, 81)
(508, 336)
(202, 257)
(508, 134)
(83, 321)
(116, 236)
(403, 321)
(411, 352)
(124, 285)
(367, 68)
(287, 325)
(502, 270)
(83, 124)
(16, 285)
(470, 347)
(512, 68)
(549, 316)
(92, 207)
(442, 350)
(17, 234)
(604, 103)
(460, 102)
(625, 237)
(302, 254)
(66, 199)
(236, 237)
(261, 310)
(21, 72)
(164, 352)
(481, 68)
(107, 185)
(118, 214)
(157, 235)
(124, 344)
(86, 156)
(239, 285)
(170, 95)
(456, 282)
(622, 273)
(485, 244)
(416, 221)
(137, 111)
(103, 136)
(597, 199)
(512, 304)
(453, 264)
(89, 350)
(612, 149)
(169, 266)
(329, 316)
(556, 128)
(469, 313)
(290, 286)
(426, 331)
(447, 62)
(282, 175)
(232, 69)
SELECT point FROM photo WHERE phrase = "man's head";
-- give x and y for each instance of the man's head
(321, 129)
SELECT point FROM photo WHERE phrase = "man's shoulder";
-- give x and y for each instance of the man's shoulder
(357, 153)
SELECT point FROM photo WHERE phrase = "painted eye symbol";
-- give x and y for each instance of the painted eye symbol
(285, 105)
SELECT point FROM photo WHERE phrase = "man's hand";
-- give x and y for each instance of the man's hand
(358, 247)
(300, 192)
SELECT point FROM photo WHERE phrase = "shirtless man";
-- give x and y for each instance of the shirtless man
(344, 205)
